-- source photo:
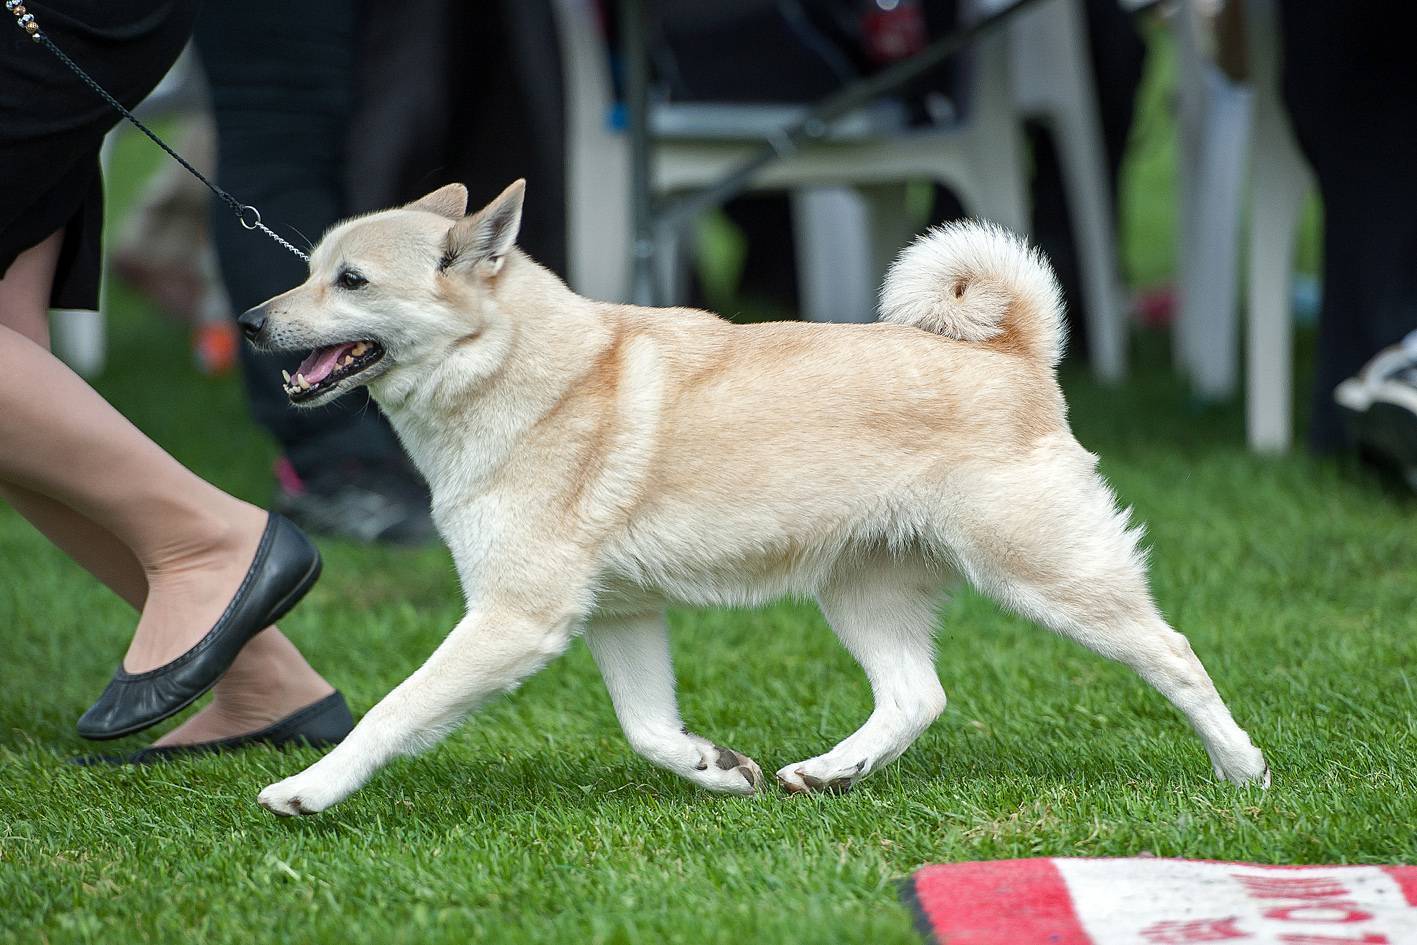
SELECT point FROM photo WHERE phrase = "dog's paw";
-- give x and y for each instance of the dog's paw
(725, 770)
(822, 774)
(299, 794)
(1243, 767)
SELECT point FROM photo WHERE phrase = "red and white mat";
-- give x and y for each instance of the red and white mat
(1151, 901)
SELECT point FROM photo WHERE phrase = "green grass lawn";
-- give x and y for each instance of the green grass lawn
(535, 822)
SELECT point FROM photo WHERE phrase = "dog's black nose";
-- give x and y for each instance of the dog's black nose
(252, 321)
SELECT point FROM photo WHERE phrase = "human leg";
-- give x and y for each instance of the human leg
(270, 678)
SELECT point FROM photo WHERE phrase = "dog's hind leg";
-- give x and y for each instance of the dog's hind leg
(633, 655)
(884, 612)
(1052, 545)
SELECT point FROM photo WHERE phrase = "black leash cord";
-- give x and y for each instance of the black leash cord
(248, 215)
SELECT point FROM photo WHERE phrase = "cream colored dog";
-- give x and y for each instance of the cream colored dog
(591, 463)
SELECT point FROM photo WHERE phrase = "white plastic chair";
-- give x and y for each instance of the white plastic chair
(1232, 135)
(848, 192)
(857, 177)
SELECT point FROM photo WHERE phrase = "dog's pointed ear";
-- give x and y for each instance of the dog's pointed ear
(449, 201)
(487, 235)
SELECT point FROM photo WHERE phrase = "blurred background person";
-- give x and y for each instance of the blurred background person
(1351, 89)
(348, 107)
(282, 84)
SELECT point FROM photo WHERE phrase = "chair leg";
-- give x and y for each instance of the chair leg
(672, 251)
(598, 230)
(1095, 236)
(1280, 181)
(1279, 186)
(836, 263)
(891, 230)
(1048, 69)
(80, 340)
(996, 187)
(1078, 132)
(1269, 342)
(1191, 87)
(1207, 330)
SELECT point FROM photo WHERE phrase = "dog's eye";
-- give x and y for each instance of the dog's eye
(349, 279)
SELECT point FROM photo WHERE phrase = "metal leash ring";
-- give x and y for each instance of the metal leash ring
(242, 218)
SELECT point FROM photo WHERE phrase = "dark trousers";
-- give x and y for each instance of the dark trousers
(466, 92)
(282, 79)
(1351, 89)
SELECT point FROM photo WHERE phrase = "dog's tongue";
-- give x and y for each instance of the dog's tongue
(322, 361)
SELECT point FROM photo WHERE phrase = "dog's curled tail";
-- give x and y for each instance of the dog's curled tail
(975, 281)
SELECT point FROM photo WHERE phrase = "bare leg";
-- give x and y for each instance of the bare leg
(270, 679)
(24, 291)
(194, 542)
(633, 656)
(94, 549)
(884, 613)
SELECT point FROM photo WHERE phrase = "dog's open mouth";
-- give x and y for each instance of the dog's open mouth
(325, 367)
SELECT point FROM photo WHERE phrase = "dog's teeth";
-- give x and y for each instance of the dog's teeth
(359, 349)
(300, 379)
(347, 361)
(286, 376)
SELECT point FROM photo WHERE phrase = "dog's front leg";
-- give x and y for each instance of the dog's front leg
(490, 651)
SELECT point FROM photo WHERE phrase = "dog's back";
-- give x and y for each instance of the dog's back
(777, 448)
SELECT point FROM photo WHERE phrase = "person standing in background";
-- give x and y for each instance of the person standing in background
(282, 83)
(1350, 86)
(326, 110)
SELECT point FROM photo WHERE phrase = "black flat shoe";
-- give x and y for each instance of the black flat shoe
(319, 725)
(285, 567)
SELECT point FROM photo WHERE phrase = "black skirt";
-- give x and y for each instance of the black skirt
(52, 124)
